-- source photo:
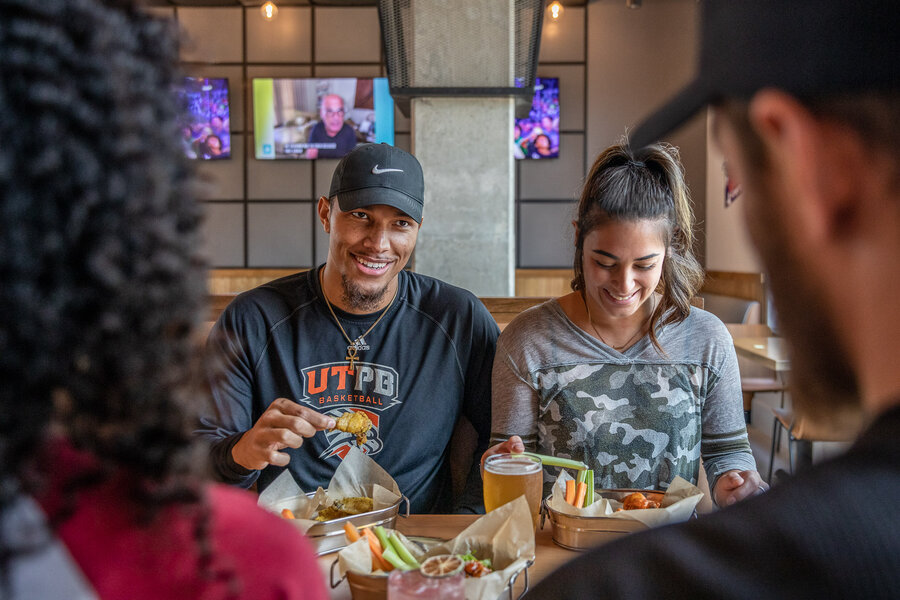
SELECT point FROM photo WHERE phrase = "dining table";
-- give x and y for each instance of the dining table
(770, 352)
(547, 555)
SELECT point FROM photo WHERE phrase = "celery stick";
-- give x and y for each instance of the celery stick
(582, 476)
(391, 556)
(589, 497)
(553, 461)
(402, 551)
(382, 536)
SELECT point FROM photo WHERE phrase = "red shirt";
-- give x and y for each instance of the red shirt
(254, 554)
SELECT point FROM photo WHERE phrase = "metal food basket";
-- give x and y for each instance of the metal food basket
(328, 536)
(374, 587)
(575, 532)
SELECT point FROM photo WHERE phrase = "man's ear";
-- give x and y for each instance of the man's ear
(324, 210)
(809, 162)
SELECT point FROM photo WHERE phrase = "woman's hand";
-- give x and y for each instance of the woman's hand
(512, 445)
(736, 485)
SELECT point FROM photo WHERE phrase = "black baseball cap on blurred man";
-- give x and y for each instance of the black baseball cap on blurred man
(379, 174)
(804, 47)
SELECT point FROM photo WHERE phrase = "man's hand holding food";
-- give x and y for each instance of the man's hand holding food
(283, 425)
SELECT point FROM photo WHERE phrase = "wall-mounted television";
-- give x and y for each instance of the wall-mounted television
(207, 133)
(537, 136)
(320, 118)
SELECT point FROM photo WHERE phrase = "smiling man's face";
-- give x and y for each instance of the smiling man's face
(368, 247)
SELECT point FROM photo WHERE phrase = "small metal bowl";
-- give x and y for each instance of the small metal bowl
(579, 533)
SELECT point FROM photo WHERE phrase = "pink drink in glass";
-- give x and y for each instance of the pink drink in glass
(413, 585)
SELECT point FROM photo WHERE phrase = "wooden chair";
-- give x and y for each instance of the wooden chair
(799, 429)
(755, 379)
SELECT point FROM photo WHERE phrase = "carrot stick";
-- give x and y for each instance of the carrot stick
(579, 495)
(286, 513)
(377, 557)
(570, 491)
(351, 532)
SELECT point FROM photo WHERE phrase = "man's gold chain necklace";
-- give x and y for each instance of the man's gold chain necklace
(353, 345)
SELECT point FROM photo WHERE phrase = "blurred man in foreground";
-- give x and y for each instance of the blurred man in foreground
(807, 112)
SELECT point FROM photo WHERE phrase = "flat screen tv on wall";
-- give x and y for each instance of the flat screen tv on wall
(207, 133)
(537, 136)
(320, 118)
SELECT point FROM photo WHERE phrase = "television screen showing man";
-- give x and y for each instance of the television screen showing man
(331, 137)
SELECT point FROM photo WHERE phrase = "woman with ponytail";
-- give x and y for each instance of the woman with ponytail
(622, 373)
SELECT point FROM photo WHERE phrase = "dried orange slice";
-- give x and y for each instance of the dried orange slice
(441, 565)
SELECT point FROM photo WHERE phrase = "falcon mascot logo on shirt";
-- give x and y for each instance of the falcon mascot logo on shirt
(333, 388)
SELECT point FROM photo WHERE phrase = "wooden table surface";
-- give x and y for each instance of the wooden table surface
(548, 555)
(771, 352)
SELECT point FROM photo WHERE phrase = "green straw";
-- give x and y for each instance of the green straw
(553, 461)
(589, 497)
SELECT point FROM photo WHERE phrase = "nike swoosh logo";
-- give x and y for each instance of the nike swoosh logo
(377, 171)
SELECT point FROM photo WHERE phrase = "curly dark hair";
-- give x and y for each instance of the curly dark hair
(103, 285)
(630, 185)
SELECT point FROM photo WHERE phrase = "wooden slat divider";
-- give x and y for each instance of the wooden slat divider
(550, 283)
(235, 281)
(748, 286)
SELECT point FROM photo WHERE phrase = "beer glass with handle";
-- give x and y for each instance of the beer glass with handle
(508, 476)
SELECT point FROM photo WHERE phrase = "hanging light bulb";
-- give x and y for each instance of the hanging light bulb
(555, 9)
(268, 10)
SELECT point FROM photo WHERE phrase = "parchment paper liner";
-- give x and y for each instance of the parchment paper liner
(357, 475)
(505, 535)
(678, 504)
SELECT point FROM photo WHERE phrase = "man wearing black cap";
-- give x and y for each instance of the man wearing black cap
(358, 334)
(807, 112)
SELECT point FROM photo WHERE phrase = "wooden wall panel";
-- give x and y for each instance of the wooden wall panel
(550, 283)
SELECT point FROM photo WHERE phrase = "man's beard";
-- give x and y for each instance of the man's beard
(359, 299)
(823, 385)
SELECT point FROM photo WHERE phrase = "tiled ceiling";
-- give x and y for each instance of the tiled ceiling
(260, 2)
(291, 2)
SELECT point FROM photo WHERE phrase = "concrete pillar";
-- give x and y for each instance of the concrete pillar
(464, 143)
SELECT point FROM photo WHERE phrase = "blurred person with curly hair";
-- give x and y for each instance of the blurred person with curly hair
(102, 490)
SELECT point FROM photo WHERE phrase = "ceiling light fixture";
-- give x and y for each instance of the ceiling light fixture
(268, 10)
(555, 9)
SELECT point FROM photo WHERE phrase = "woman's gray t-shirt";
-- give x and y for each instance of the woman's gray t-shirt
(638, 418)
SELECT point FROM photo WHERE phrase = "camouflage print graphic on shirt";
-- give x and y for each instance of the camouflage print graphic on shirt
(635, 425)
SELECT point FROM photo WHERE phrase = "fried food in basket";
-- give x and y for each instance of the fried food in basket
(344, 508)
(354, 422)
(474, 566)
(637, 501)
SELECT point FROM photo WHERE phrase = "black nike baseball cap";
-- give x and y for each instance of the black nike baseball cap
(804, 47)
(379, 174)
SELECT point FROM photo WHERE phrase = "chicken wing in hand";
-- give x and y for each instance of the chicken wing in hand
(357, 423)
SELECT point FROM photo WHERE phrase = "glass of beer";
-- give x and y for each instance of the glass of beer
(508, 476)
